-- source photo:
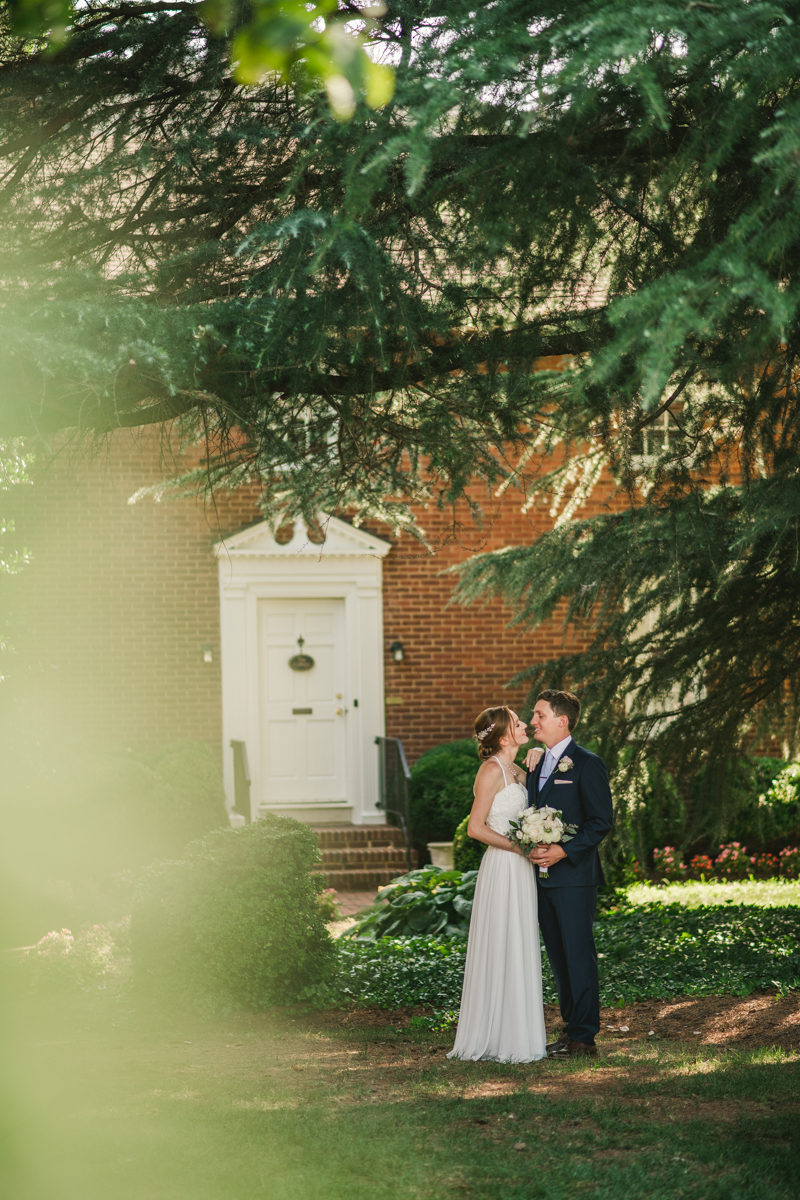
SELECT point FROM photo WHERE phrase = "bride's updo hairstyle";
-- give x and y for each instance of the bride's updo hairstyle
(492, 725)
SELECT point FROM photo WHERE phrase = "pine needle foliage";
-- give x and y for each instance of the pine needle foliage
(352, 312)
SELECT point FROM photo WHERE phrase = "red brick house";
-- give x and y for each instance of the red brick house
(156, 621)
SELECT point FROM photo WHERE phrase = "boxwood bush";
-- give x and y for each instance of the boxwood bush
(441, 790)
(235, 923)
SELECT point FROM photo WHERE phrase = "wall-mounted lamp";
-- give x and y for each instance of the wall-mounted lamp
(208, 654)
(397, 652)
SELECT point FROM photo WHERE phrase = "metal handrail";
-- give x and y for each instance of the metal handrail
(241, 781)
(394, 778)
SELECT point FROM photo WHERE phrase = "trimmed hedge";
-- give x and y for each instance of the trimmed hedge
(235, 924)
(441, 790)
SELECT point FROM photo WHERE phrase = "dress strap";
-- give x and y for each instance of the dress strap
(502, 768)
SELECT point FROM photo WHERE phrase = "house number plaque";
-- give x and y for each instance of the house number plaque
(301, 662)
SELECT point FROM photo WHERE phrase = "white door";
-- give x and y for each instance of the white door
(302, 735)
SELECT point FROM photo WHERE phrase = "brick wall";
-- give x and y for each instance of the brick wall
(459, 660)
(111, 618)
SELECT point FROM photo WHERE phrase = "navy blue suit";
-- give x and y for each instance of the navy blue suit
(568, 896)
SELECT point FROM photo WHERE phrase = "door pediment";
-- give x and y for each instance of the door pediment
(341, 541)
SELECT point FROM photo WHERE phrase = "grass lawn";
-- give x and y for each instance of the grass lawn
(763, 893)
(114, 1101)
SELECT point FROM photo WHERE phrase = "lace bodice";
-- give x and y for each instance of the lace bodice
(506, 804)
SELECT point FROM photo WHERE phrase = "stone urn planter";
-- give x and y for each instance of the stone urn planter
(441, 854)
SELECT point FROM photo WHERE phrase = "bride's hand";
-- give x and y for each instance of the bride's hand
(532, 758)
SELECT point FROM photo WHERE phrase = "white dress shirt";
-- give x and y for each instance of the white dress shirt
(551, 758)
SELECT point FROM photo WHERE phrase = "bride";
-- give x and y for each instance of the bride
(502, 1014)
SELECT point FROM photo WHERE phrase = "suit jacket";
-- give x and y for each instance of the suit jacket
(584, 796)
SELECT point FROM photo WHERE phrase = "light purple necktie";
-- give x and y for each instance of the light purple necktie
(547, 769)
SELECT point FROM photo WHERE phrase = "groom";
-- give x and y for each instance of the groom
(576, 781)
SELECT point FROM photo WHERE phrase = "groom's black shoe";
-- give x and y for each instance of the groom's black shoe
(576, 1050)
(558, 1045)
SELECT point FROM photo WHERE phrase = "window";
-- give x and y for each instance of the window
(661, 437)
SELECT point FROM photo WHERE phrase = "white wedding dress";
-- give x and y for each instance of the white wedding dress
(502, 1014)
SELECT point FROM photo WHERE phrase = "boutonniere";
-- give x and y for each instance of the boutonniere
(565, 763)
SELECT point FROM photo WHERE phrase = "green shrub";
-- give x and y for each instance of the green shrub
(751, 813)
(467, 852)
(235, 924)
(777, 813)
(441, 790)
(648, 812)
(89, 816)
(97, 808)
(650, 951)
(97, 957)
(760, 808)
(397, 973)
(189, 799)
(431, 900)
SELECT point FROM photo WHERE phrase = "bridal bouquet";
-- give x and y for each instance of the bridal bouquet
(540, 826)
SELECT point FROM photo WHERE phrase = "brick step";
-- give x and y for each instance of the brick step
(370, 836)
(361, 881)
(367, 858)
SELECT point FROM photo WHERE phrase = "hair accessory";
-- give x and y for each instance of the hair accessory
(485, 732)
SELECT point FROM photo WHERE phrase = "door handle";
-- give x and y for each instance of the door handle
(340, 712)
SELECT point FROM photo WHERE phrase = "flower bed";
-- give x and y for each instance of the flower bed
(97, 956)
(732, 863)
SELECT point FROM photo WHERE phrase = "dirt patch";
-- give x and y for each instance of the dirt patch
(747, 1022)
(765, 1020)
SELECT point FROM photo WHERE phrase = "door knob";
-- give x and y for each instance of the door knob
(340, 712)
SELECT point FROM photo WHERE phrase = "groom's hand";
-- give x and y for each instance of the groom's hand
(546, 856)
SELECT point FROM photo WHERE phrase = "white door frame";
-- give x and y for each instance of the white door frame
(348, 566)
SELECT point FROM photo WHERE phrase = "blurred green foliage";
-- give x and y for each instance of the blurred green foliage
(328, 907)
(113, 808)
(287, 38)
(235, 923)
(97, 957)
(83, 819)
